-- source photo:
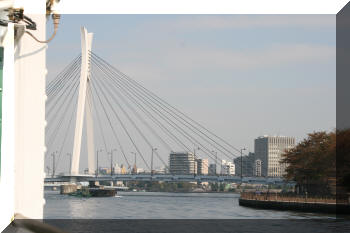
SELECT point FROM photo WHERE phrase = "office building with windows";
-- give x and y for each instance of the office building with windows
(212, 169)
(268, 151)
(182, 163)
(247, 162)
(227, 168)
(202, 166)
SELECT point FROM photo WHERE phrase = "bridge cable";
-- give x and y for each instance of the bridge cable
(49, 106)
(89, 101)
(51, 138)
(54, 135)
(61, 76)
(72, 90)
(179, 129)
(56, 85)
(155, 96)
(68, 98)
(65, 138)
(206, 165)
(122, 124)
(110, 123)
(143, 101)
(115, 134)
(132, 122)
(58, 93)
(172, 115)
(207, 151)
(142, 120)
(144, 111)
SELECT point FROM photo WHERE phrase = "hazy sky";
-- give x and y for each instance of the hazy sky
(242, 76)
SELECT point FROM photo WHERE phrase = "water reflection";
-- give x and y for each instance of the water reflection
(133, 205)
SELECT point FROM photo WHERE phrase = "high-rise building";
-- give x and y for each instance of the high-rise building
(202, 166)
(247, 162)
(182, 163)
(123, 169)
(257, 167)
(116, 168)
(227, 168)
(212, 169)
(268, 151)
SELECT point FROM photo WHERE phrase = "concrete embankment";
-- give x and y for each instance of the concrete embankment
(297, 206)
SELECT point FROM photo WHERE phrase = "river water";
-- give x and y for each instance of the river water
(148, 205)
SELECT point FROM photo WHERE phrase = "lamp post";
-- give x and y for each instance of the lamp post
(216, 160)
(112, 160)
(135, 168)
(100, 150)
(70, 163)
(48, 170)
(194, 151)
(153, 149)
(242, 163)
(195, 160)
(53, 162)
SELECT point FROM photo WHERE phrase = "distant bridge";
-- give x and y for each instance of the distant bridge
(168, 178)
(128, 124)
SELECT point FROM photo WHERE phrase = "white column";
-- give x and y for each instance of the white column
(86, 39)
(90, 132)
(89, 121)
(30, 96)
(7, 176)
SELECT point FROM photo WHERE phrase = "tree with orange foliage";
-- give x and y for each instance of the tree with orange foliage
(312, 163)
(343, 161)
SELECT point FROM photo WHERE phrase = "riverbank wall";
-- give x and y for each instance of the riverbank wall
(297, 206)
(294, 204)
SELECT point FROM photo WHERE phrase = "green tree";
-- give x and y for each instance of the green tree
(222, 187)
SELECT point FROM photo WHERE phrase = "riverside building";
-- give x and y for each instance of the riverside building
(202, 166)
(182, 163)
(227, 168)
(247, 162)
(268, 151)
(212, 169)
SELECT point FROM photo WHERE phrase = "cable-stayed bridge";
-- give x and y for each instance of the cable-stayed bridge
(121, 116)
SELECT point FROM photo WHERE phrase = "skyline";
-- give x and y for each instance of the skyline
(283, 66)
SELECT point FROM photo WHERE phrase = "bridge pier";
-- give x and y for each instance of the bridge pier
(82, 107)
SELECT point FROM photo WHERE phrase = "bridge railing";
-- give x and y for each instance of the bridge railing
(167, 177)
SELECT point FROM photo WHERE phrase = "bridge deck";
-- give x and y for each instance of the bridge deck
(168, 177)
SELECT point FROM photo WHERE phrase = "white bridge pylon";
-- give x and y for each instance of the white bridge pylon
(84, 107)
